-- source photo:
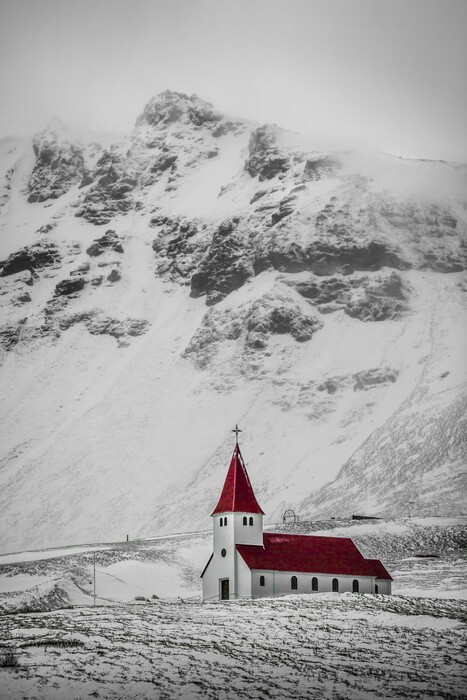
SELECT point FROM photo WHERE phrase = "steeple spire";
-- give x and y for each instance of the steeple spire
(237, 495)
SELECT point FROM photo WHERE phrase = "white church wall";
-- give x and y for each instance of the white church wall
(243, 587)
(221, 567)
(384, 586)
(279, 583)
(259, 591)
(248, 534)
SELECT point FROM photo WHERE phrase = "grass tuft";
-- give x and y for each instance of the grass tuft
(9, 659)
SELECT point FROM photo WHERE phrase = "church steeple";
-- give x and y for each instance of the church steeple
(237, 495)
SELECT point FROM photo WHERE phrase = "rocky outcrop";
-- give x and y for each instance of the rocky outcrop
(285, 209)
(326, 258)
(59, 166)
(252, 326)
(177, 246)
(373, 377)
(265, 158)
(377, 298)
(98, 324)
(169, 107)
(436, 235)
(277, 314)
(57, 320)
(81, 269)
(69, 286)
(114, 181)
(114, 275)
(34, 257)
(10, 333)
(226, 266)
(109, 241)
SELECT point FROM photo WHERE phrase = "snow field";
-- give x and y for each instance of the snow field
(322, 646)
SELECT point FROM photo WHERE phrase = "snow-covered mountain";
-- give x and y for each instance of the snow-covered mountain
(160, 287)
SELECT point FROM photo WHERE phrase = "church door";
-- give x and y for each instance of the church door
(225, 589)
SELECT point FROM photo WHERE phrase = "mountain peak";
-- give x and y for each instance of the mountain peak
(169, 107)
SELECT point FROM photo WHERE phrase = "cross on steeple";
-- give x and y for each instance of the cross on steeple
(236, 431)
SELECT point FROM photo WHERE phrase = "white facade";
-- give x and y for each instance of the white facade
(226, 564)
(280, 583)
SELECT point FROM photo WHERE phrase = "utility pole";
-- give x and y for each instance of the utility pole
(94, 589)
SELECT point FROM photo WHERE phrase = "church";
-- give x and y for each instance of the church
(248, 563)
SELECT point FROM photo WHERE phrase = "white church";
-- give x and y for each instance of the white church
(248, 563)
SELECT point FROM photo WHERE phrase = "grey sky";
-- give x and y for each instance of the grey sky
(388, 74)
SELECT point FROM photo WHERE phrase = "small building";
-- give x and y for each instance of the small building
(248, 563)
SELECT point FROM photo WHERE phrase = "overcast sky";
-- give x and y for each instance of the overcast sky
(389, 74)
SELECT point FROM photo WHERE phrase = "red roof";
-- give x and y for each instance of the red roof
(311, 554)
(237, 495)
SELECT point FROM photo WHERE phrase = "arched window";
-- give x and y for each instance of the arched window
(221, 521)
(355, 586)
(225, 521)
(314, 584)
(245, 520)
(335, 585)
(261, 581)
(294, 583)
(251, 521)
(223, 552)
(376, 588)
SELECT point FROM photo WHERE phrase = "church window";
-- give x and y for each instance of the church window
(251, 521)
(314, 584)
(245, 520)
(376, 588)
(294, 583)
(222, 521)
(355, 586)
(225, 521)
(261, 581)
(223, 552)
(335, 585)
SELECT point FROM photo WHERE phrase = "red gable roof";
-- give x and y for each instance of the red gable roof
(237, 495)
(312, 554)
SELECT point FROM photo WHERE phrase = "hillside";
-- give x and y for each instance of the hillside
(159, 287)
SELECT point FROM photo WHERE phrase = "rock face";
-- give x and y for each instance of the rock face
(226, 266)
(177, 246)
(377, 298)
(170, 107)
(69, 286)
(98, 324)
(253, 325)
(265, 159)
(109, 241)
(113, 183)
(277, 314)
(30, 258)
(59, 166)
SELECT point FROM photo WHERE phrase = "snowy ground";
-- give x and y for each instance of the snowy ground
(322, 646)
(409, 645)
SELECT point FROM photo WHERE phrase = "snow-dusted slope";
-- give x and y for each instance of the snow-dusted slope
(206, 271)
